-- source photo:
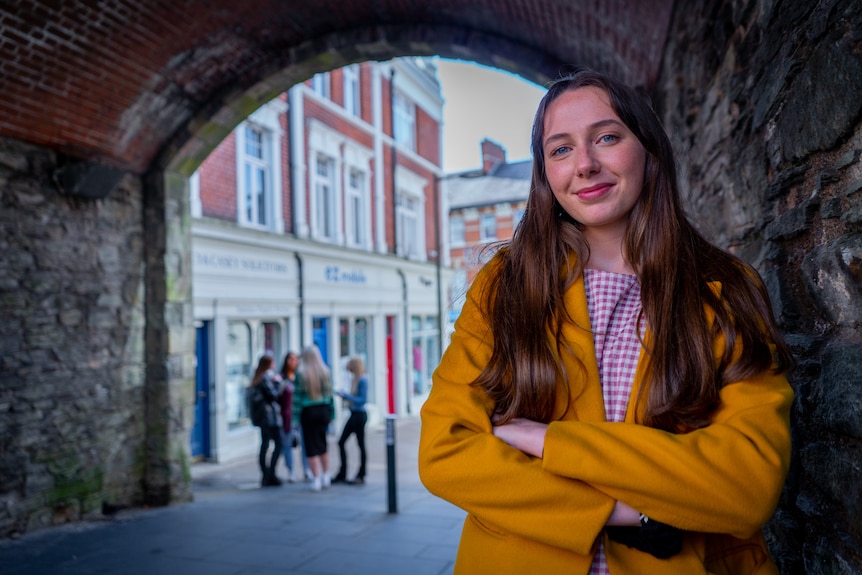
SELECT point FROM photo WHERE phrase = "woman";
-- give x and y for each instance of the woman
(265, 384)
(289, 435)
(357, 398)
(314, 406)
(613, 399)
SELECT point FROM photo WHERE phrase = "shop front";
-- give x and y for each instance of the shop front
(255, 294)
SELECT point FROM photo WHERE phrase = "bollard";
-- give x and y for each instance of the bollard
(390, 463)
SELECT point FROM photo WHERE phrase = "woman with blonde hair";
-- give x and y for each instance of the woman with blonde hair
(314, 407)
(355, 424)
(614, 398)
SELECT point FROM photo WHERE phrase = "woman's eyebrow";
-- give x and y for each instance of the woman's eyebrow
(594, 126)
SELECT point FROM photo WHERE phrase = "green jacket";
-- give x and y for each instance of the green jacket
(302, 400)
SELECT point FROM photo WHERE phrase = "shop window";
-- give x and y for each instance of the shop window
(425, 344)
(238, 365)
(269, 340)
(344, 337)
(353, 341)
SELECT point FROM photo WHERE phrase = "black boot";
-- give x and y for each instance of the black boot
(340, 478)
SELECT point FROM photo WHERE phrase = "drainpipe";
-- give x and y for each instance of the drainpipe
(301, 293)
(407, 364)
(394, 159)
(292, 165)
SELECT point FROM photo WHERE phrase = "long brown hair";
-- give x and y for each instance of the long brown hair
(264, 365)
(674, 264)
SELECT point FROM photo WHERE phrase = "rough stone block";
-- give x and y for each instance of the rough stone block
(838, 396)
(794, 222)
(833, 276)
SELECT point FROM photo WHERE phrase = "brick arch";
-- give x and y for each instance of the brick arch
(129, 84)
(189, 147)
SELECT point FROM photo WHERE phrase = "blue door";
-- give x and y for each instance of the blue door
(200, 438)
(320, 337)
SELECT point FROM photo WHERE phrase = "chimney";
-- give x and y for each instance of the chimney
(493, 154)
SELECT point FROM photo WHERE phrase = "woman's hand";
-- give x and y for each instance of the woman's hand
(524, 434)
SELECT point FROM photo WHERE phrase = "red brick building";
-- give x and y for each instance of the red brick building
(485, 207)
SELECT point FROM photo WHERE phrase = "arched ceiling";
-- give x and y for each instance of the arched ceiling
(127, 84)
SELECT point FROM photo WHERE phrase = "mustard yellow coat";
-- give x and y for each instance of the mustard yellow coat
(528, 515)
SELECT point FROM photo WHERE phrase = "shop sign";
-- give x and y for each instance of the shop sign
(335, 274)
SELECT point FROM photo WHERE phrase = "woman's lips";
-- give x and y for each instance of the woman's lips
(593, 191)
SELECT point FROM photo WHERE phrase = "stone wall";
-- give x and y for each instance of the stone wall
(763, 101)
(72, 364)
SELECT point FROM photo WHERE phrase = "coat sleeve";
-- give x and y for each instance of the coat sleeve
(723, 478)
(461, 461)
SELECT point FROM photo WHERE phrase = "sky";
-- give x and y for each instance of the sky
(481, 102)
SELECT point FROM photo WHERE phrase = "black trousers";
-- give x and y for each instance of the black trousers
(269, 433)
(355, 424)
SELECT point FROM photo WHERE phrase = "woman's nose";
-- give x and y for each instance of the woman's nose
(587, 164)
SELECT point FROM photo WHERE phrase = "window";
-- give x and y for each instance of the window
(407, 224)
(405, 122)
(410, 214)
(320, 84)
(195, 205)
(488, 227)
(269, 340)
(353, 341)
(324, 196)
(355, 208)
(456, 230)
(258, 173)
(255, 176)
(352, 97)
(426, 351)
(239, 371)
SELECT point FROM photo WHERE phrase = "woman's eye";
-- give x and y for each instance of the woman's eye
(559, 151)
(609, 138)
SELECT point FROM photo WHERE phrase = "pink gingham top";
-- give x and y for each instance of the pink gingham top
(614, 303)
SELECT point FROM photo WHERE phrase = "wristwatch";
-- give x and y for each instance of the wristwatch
(654, 537)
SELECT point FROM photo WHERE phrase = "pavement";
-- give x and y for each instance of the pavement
(235, 527)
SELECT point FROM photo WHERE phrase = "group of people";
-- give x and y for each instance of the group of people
(294, 408)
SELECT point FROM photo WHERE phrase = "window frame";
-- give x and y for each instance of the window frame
(352, 90)
(457, 226)
(411, 188)
(404, 121)
(324, 225)
(484, 234)
(264, 121)
(321, 84)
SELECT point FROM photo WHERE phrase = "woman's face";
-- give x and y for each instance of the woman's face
(292, 362)
(594, 164)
